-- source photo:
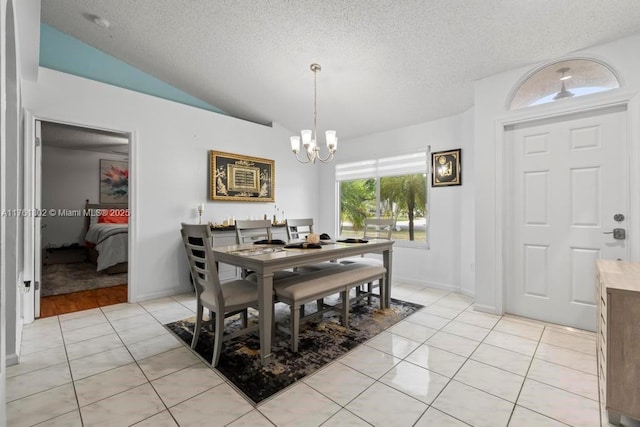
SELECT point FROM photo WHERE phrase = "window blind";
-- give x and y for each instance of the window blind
(388, 166)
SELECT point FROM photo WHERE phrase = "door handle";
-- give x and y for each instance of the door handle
(618, 233)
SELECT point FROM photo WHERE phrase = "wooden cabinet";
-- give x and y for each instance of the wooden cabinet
(618, 341)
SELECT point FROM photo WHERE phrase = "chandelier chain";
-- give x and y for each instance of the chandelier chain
(315, 105)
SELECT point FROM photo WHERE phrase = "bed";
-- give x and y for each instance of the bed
(107, 236)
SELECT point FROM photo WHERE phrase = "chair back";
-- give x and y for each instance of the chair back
(378, 228)
(252, 230)
(197, 244)
(296, 227)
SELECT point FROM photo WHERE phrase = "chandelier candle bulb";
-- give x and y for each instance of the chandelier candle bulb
(306, 137)
(332, 140)
(295, 144)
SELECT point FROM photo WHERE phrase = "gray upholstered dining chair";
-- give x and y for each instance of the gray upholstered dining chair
(299, 228)
(378, 228)
(374, 228)
(222, 299)
(248, 231)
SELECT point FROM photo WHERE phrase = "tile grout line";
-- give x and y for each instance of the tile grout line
(51, 388)
(374, 379)
(461, 366)
(327, 397)
(345, 405)
(421, 344)
(527, 378)
(217, 373)
(73, 382)
(274, 396)
(403, 359)
(526, 375)
(137, 364)
(166, 408)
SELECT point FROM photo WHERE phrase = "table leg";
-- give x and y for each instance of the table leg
(265, 305)
(387, 258)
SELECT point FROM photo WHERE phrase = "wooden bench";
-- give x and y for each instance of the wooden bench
(313, 286)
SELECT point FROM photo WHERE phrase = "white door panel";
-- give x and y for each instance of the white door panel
(568, 178)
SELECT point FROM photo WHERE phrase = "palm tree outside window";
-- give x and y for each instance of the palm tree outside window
(394, 187)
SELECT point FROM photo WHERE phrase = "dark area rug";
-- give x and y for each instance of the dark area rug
(58, 279)
(321, 341)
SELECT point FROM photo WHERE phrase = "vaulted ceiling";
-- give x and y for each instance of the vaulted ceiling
(385, 64)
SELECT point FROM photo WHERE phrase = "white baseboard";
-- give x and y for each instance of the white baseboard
(161, 294)
(485, 308)
(413, 281)
(12, 359)
(443, 286)
(468, 293)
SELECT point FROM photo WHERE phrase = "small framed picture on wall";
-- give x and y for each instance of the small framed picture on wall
(446, 168)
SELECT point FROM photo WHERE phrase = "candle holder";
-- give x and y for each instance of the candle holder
(200, 212)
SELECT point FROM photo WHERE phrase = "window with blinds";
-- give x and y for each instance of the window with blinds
(391, 187)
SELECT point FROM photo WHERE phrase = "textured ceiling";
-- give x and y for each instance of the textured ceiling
(385, 64)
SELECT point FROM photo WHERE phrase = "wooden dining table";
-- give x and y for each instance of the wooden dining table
(249, 256)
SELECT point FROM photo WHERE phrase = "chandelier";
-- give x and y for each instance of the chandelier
(310, 138)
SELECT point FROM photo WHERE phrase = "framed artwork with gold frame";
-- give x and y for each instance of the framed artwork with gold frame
(238, 178)
(446, 168)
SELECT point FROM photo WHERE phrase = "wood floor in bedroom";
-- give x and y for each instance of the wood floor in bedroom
(83, 300)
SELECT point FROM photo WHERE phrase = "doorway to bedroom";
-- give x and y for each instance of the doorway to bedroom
(84, 222)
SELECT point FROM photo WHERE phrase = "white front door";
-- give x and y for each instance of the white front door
(568, 179)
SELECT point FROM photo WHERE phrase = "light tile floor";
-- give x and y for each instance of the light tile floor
(446, 365)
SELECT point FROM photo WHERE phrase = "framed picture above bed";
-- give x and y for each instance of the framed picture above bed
(114, 181)
(238, 178)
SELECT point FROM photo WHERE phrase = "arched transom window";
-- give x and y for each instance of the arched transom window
(563, 80)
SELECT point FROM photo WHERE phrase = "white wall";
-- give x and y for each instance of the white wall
(11, 228)
(28, 28)
(490, 96)
(447, 263)
(467, 208)
(169, 167)
(3, 180)
(13, 195)
(69, 177)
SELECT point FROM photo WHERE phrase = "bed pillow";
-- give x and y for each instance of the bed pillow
(114, 216)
